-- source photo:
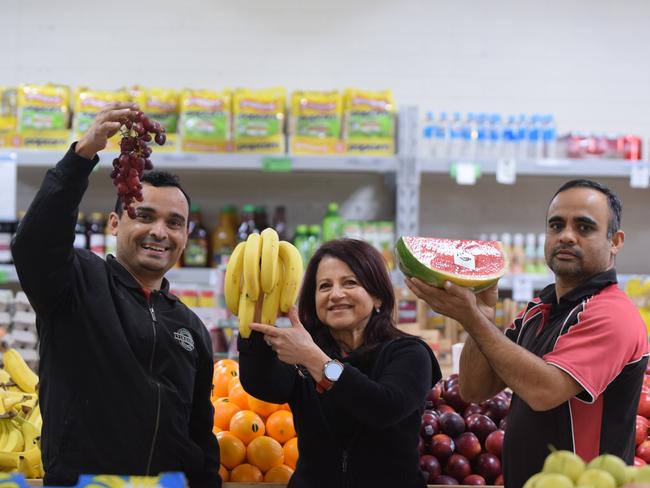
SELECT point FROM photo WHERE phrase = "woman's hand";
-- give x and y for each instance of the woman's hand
(294, 345)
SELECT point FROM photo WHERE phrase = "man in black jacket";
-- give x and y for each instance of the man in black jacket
(126, 368)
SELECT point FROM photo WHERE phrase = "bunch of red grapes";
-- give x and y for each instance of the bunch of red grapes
(134, 158)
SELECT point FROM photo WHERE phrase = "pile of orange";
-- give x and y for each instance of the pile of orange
(257, 439)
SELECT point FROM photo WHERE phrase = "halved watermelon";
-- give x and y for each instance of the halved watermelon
(476, 265)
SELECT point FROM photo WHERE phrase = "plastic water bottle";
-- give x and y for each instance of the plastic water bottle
(441, 136)
(510, 138)
(494, 141)
(522, 137)
(534, 138)
(455, 136)
(469, 135)
(549, 137)
(428, 129)
(482, 139)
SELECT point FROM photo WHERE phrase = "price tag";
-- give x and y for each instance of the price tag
(522, 289)
(640, 175)
(466, 174)
(277, 165)
(7, 186)
(506, 171)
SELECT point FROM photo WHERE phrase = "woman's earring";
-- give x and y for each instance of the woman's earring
(377, 309)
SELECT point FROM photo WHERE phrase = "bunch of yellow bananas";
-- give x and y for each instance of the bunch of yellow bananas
(263, 270)
(20, 418)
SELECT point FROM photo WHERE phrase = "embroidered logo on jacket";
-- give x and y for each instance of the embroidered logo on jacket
(185, 339)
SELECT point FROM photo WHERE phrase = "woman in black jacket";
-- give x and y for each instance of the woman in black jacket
(355, 383)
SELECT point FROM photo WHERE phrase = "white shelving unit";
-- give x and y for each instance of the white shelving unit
(593, 168)
(403, 172)
(236, 162)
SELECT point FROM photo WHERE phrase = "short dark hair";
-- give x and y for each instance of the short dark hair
(369, 267)
(615, 205)
(158, 179)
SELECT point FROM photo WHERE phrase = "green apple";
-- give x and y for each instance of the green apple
(642, 475)
(564, 462)
(596, 478)
(613, 465)
(552, 480)
(532, 480)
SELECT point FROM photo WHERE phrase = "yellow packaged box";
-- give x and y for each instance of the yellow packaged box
(205, 121)
(43, 116)
(369, 122)
(87, 104)
(163, 106)
(8, 111)
(315, 122)
(259, 120)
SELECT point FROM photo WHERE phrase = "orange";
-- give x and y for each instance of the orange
(261, 407)
(247, 426)
(223, 472)
(224, 409)
(220, 378)
(278, 474)
(216, 430)
(238, 396)
(233, 381)
(290, 449)
(265, 453)
(246, 473)
(279, 425)
(232, 451)
(285, 406)
(226, 362)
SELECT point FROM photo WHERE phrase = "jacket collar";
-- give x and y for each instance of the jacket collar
(127, 279)
(587, 288)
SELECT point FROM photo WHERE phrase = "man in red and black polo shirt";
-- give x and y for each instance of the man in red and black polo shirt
(575, 357)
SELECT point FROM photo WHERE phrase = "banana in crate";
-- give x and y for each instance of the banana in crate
(262, 278)
(315, 122)
(259, 120)
(43, 113)
(20, 418)
(369, 122)
(205, 121)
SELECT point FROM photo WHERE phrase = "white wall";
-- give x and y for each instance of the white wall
(587, 62)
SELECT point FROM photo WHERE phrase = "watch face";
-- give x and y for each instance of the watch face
(333, 370)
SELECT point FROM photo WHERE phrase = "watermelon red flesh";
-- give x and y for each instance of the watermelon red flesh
(433, 261)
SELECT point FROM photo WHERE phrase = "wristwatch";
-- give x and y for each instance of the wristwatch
(332, 371)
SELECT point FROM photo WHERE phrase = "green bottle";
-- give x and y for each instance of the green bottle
(332, 223)
(313, 239)
(300, 240)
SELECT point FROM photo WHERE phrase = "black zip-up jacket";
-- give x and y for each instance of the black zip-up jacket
(125, 379)
(364, 431)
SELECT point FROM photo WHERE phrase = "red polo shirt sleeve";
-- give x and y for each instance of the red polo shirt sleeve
(608, 335)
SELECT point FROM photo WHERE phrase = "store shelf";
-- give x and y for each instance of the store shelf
(604, 168)
(249, 162)
(196, 276)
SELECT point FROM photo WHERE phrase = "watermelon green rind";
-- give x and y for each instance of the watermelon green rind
(412, 267)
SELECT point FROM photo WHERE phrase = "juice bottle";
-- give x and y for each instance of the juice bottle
(332, 223)
(224, 236)
(197, 249)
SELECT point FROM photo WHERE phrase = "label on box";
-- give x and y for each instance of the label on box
(506, 171)
(466, 174)
(640, 175)
(522, 289)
